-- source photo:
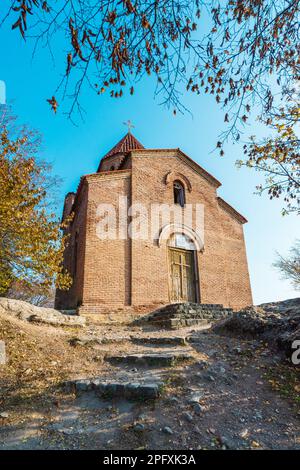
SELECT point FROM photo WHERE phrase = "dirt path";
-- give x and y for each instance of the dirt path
(229, 395)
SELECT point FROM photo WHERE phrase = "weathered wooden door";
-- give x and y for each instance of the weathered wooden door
(182, 275)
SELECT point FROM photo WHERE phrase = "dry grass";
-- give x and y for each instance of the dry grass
(39, 359)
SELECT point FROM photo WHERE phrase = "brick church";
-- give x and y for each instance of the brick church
(180, 262)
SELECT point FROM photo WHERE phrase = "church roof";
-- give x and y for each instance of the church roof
(129, 142)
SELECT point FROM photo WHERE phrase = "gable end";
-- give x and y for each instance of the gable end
(228, 208)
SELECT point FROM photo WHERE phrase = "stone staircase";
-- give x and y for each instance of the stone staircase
(150, 358)
(160, 340)
(140, 373)
(181, 315)
(109, 390)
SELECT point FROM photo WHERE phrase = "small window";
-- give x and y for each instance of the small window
(179, 195)
(112, 168)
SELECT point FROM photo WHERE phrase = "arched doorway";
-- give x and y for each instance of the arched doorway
(183, 269)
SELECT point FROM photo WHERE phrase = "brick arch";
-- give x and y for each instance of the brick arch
(175, 175)
(170, 229)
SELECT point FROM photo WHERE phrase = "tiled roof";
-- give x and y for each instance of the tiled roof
(129, 142)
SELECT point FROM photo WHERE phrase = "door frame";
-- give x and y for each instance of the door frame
(196, 273)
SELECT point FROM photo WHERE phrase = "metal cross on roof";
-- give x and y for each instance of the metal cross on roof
(129, 125)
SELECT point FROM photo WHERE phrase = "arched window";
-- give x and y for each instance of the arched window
(179, 194)
(181, 240)
(112, 168)
(168, 230)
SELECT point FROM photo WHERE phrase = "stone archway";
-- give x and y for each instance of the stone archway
(169, 229)
(175, 175)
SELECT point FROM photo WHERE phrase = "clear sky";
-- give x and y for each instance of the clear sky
(76, 150)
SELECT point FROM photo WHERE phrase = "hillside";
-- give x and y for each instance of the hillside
(218, 391)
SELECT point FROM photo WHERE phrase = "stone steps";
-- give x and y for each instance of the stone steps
(95, 341)
(176, 323)
(201, 314)
(195, 316)
(182, 306)
(158, 340)
(187, 307)
(151, 359)
(108, 390)
(186, 314)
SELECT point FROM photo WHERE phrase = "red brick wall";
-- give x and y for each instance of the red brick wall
(223, 270)
(236, 265)
(112, 161)
(72, 298)
(107, 262)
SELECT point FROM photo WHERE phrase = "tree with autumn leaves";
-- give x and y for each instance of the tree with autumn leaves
(31, 242)
(278, 157)
(243, 53)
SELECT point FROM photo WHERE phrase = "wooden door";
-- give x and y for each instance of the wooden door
(182, 275)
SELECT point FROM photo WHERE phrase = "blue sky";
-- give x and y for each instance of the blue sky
(76, 150)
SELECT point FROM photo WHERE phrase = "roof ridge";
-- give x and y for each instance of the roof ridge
(128, 142)
(232, 210)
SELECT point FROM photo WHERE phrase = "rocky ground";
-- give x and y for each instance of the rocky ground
(278, 323)
(217, 390)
